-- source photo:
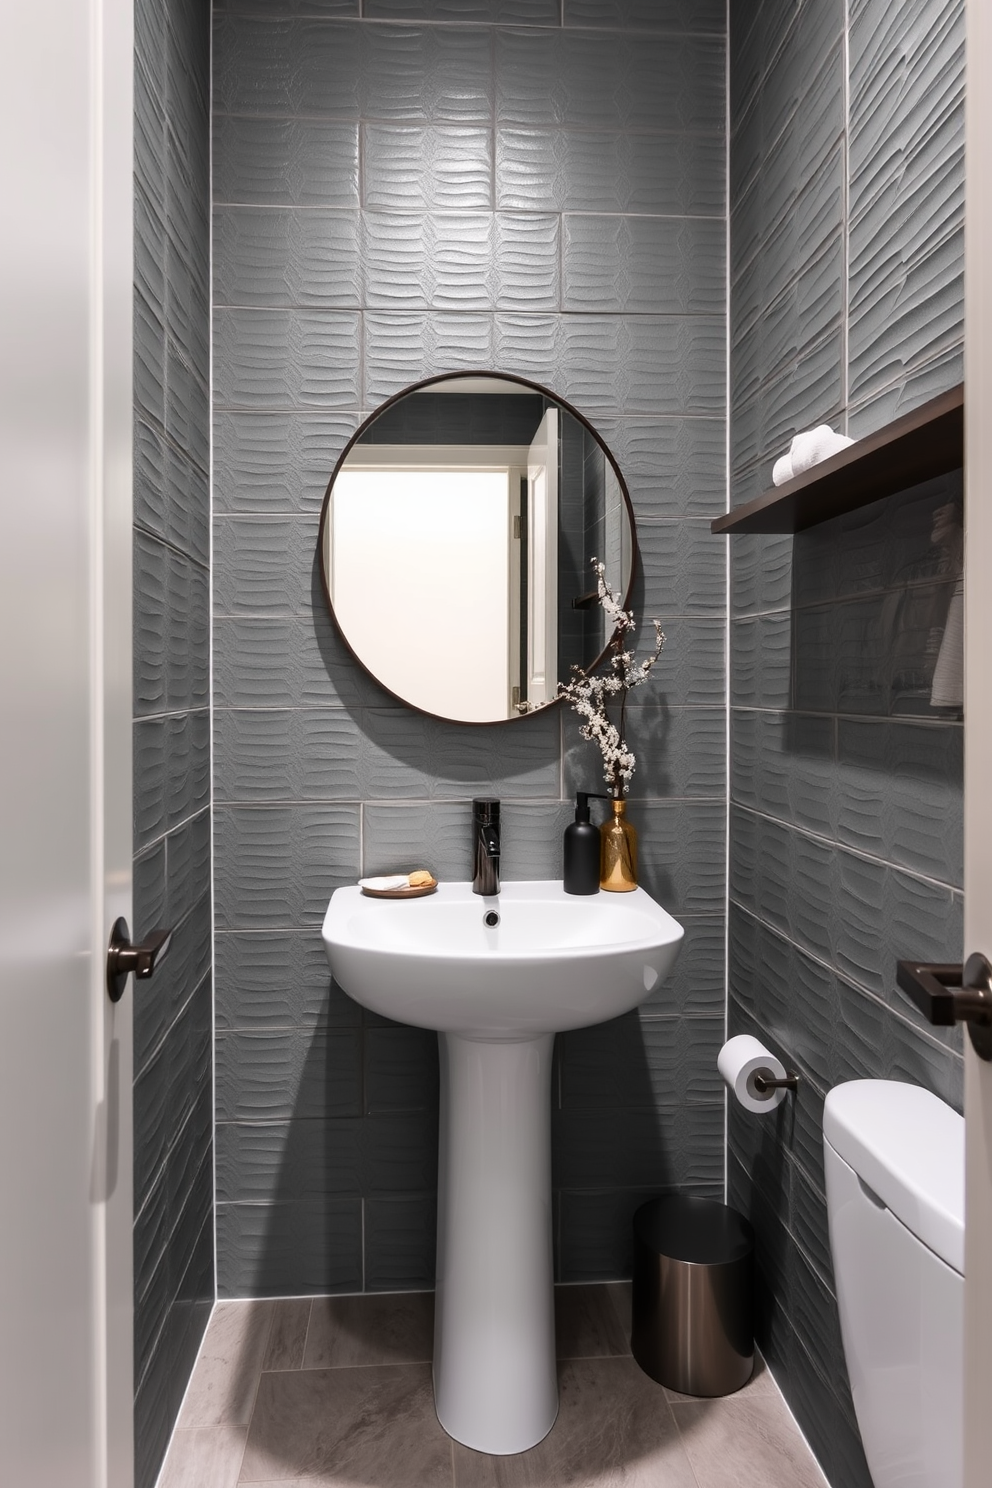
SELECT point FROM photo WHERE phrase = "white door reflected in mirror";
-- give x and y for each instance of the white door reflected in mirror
(457, 541)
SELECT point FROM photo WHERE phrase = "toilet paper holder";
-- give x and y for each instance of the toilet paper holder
(764, 1083)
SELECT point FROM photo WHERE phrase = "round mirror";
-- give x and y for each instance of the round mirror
(457, 540)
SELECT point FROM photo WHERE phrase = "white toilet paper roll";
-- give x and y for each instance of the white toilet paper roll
(742, 1058)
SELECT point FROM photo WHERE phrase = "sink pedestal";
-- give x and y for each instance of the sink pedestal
(495, 1381)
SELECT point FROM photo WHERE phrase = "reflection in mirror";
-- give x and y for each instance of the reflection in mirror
(457, 541)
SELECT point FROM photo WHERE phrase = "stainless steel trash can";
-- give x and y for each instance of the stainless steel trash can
(693, 1295)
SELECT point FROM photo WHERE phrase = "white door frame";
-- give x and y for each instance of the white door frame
(978, 733)
(66, 275)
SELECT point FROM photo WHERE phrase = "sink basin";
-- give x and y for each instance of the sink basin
(497, 994)
(554, 960)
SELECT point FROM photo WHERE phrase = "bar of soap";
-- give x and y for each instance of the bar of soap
(421, 879)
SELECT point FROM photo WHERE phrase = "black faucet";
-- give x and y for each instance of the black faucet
(485, 837)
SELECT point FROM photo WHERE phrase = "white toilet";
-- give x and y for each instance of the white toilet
(894, 1157)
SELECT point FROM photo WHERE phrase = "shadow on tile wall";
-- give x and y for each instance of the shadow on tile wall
(417, 191)
(846, 780)
(173, 1157)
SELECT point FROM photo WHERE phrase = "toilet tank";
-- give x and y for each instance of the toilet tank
(894, 1158)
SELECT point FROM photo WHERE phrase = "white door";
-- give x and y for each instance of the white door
(978, 735)
(65, 846)
(542, 562)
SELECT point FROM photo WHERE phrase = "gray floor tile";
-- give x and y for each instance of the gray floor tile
(348, 1426)
(205, 1457)
(288, 1333)
(222, 1389)
(614, 1428)
(389, 1328)
(734, 1443)
(586, 1323)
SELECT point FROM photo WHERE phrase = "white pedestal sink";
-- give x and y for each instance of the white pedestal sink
(497, 996)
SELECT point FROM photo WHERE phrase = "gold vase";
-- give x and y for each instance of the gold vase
(618, 854)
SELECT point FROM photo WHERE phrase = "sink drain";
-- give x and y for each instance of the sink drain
(490, 918)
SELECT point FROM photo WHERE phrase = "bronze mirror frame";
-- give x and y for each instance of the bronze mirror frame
(415, 387)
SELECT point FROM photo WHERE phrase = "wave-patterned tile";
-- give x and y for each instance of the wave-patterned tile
(800, 395)
(635, 1148)
(264, 1162)
(603, 170)
(291, 1248)
(496, 12)
(264, 565)
(707, 16)
(673, 467)
(283, 258)
(907, 186)
(643, 82)
(267, 162)
(863, 945)
(284, 66)
(681, 851)
(527, 256)
(755, 37)
(643, 265)
(696, 985)
(267, 462)
(594, 1234)
(185, 967)
(761, 661)
(285, 359)
(277, 979)
(277, 866)
(278, 1074)
(684, 568)
(405, 346)
(400, 1235)
(432, 74)
(417, 261)
(424, 167)
(328, 8)
(286, 662)
(801, 90)
(170, 1086)
(918, 384)
(654, 1062)
(400, 1069)
(681, 753)
(760, 573)
(806, 311)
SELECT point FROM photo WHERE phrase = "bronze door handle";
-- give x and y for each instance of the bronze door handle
(123, 957)
(951, 993)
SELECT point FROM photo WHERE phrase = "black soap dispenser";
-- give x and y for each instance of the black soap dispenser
(582, 845)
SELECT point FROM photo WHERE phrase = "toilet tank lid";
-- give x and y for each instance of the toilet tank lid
(908, 1146)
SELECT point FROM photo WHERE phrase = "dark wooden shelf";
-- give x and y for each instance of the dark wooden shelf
(927, 442)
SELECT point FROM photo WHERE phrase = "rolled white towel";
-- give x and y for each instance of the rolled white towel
(808, 449)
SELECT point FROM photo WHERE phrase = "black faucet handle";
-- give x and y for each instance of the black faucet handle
(485, 811)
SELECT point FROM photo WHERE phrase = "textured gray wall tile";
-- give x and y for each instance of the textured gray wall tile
(277, 462)
(507, 12)
(289, 1249)
(283, 257)
(286, 66)
(402, 347)
(678, 854)
(401, 1069)
(681, 752)
(643, 264)
(684, 568)
(264, 565)
(761, 661)
(783, 766)
(607, 170)
(639, 1148)
(913, 387)
(285, 162)
(451, 276)
(410, 167)
(286, 359)
(801, 395)
(400, 1243)
(673, 467)
(433, 74)
(907, 187)
(793, 323)
(277, 979)
(643, 82)
(647, 15)
(761, 574)
(275, 867)
(298, 1073)
(635, 1061)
